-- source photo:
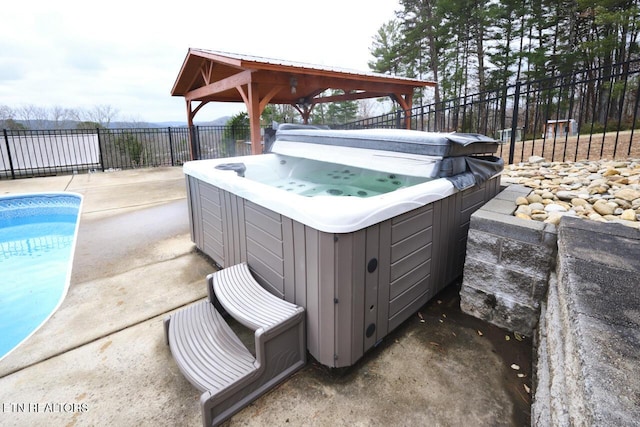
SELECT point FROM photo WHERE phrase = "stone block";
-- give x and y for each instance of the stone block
(508, 226)
(539, 289)
(613, 245)
(541, 401)
(610, 294)
(483, 246)
(610, 368)
(533, 260)
(550, 235)
(512, 192)
(494, 279)
(505, 207)
(499, 310)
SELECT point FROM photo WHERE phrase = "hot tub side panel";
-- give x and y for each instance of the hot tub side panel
(356, 287)
(386, 272)
(214, 228)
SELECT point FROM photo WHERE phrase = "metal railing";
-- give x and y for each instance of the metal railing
(27, 153)
(589, 114)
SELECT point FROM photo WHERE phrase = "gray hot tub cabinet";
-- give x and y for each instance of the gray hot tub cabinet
(355, 287)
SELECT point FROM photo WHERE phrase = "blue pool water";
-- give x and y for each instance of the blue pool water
(37, 240)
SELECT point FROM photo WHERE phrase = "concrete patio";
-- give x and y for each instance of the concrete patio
(102, 360)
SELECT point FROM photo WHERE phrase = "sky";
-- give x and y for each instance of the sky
(127, 54)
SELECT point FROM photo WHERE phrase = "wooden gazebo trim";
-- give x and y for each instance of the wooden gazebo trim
(210, 76)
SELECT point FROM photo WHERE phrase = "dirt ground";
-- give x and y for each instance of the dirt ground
(611, 146)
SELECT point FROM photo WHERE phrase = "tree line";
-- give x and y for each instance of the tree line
(35, 117)
(467, 47)
(472, 46)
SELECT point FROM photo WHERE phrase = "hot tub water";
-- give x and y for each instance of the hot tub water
(327, 179)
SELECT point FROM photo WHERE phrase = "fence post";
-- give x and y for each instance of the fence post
(195, 142)
(171, 147)
(100, 149)
(6, 140)
(514, 122)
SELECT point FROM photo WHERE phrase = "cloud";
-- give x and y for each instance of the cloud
(10, 70)
(128, 54)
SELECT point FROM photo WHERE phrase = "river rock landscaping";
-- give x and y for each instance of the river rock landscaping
(599, 190)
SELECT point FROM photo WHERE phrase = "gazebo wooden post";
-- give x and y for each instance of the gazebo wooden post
(254, 118)
(192, 137)
(408, 98)
(405, 101)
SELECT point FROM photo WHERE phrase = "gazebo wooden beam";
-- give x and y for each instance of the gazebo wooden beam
(268, 97)
(305, 111)
(350, 97)
(231, 82)
(313, 81)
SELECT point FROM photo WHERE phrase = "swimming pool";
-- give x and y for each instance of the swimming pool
(37, 241)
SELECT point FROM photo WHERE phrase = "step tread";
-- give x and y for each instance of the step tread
(208, 352)
(248, 302)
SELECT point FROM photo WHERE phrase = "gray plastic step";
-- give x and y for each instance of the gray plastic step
(212, 357)
(207, 351)
(246, 301)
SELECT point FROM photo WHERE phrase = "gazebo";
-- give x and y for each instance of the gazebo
(212, 76)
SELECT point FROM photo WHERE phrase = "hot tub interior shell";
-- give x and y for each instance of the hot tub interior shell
(356, 287)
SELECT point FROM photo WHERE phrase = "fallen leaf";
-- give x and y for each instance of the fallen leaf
(439, 301)
(422, 320)
(420, 316)
(521, 375)
(518, 336)
(515, 367)
(480, 333)
(434, 343)
(444, 315)
(440, 320)
(527, 388)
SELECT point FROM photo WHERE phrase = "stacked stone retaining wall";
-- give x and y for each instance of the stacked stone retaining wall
(588, 358)
(576, 288)
(508, 264)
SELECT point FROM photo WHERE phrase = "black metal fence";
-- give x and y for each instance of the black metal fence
(590, 114)
(26, 153)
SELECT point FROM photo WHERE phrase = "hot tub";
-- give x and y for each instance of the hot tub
(361, 228)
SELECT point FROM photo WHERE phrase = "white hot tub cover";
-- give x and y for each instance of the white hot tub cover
(466, 159)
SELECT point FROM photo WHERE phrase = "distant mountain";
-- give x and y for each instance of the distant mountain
(133, 125)
(169, 124)
(220, 121)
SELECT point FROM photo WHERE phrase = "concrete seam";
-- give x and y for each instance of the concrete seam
(66, 187)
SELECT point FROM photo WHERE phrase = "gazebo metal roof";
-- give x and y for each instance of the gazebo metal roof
(213, 76)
